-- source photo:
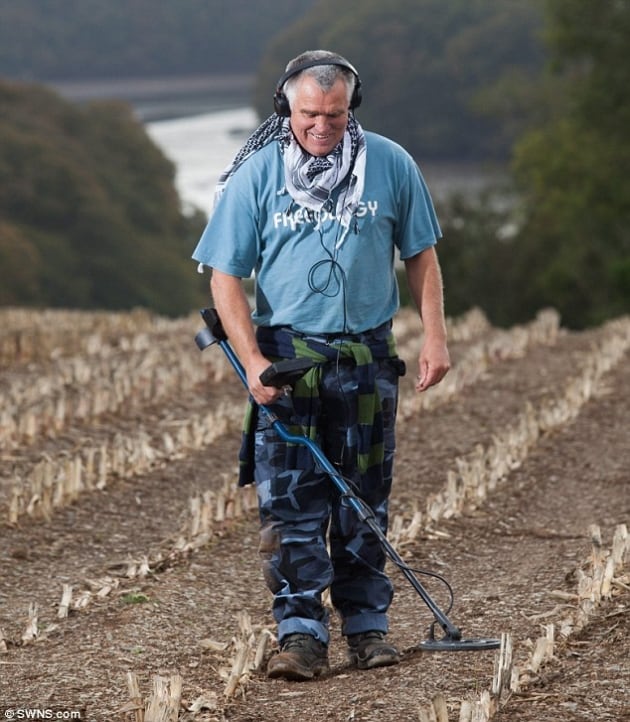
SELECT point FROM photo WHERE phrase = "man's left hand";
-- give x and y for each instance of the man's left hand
(433, 364)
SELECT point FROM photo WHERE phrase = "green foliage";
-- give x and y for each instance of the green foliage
(89, 216)
(64, 39)
(573, 171)
(562, 238)
(424, 65)
(476, 255)
(590, 40)
(19, 259)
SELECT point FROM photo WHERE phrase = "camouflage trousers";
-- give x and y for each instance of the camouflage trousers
(301, 512)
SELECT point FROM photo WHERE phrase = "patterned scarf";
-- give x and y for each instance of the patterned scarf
(311, 180)
(274, 128)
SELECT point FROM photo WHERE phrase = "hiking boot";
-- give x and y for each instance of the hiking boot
(301, 657)
(369, 650)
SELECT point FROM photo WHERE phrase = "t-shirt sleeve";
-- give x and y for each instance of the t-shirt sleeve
(418, 227)
(229, 242)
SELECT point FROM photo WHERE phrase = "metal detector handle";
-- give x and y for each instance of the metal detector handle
(286, 372)
(279, 374)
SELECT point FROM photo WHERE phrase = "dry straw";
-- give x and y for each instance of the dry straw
(604, 574)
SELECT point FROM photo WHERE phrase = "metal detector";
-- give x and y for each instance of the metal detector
(285, 373)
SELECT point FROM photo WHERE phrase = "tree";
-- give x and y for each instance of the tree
(573, 172)
(89, 214)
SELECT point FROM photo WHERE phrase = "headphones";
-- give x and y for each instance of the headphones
(281, 102)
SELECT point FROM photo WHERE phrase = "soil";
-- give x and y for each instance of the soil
(514, 558)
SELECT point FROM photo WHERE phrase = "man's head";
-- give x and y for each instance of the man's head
(317, 91)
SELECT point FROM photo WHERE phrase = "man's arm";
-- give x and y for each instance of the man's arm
(234, 311)
(425, 284)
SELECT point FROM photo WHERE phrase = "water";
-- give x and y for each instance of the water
(201, 146)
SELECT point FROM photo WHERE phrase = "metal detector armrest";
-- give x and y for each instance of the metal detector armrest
(286, 372)
(213, 332)
(213, 322)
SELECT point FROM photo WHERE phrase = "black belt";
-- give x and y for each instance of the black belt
(338, 335)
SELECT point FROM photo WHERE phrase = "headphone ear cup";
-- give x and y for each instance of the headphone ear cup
(281, 104)
(357, 95)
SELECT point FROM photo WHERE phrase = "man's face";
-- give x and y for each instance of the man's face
(319, 118)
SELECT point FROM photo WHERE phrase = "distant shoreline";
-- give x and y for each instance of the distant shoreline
(163, 98)
(136, 89)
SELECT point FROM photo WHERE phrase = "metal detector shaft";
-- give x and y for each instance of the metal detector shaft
(366, 515)
(453, 637)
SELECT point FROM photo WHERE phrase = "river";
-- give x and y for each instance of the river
(201, 146)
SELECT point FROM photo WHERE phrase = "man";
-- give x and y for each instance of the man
(317, 208)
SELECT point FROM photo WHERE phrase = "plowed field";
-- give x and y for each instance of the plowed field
(128, 557)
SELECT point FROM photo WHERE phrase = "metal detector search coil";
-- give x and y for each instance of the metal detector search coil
(452, 639)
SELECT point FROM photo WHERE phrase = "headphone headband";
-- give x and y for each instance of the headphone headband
(280, 101)
(313, 64)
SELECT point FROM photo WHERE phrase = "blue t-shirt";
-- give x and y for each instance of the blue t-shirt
(302, 279)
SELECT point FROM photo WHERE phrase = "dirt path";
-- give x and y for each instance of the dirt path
(508, 555)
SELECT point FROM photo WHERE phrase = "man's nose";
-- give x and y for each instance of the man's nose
(322, 123)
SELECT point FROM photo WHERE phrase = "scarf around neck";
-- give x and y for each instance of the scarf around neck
(311, 180)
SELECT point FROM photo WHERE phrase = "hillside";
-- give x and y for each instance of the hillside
(89, 215)
(75, 39)
(129, 559)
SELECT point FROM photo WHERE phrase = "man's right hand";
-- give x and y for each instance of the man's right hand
(261, 394)
(235, 314)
